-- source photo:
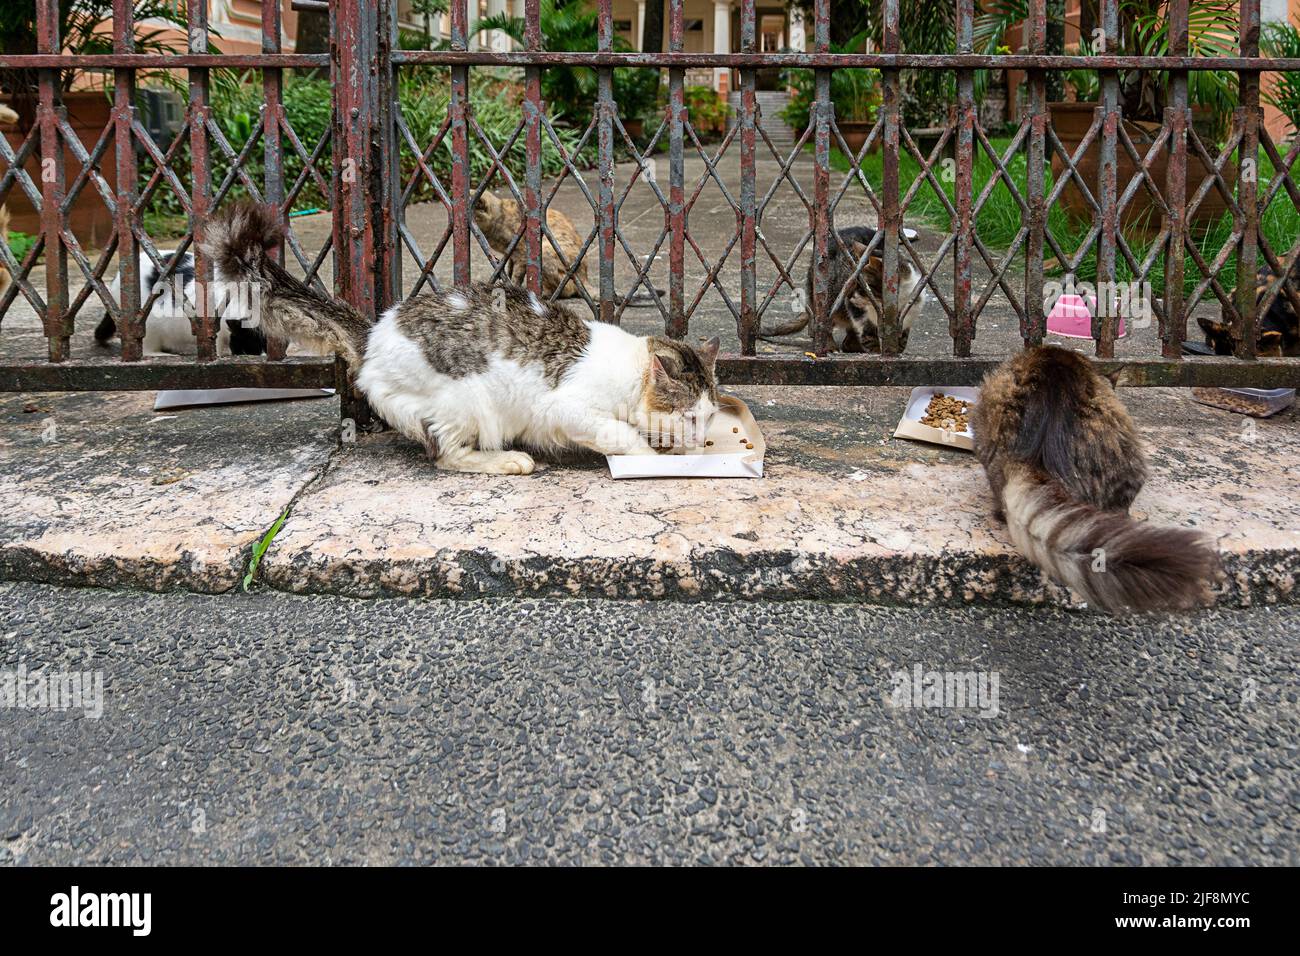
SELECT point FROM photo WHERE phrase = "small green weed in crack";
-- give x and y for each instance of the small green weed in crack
(259, 549)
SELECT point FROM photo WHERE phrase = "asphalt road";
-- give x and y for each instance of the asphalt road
(281, 729)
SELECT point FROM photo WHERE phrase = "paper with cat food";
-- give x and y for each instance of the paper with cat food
(949, 415)
(736, 451)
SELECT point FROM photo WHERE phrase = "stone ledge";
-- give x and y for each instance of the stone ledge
(842, 514)
(118, 496)
(126, 498)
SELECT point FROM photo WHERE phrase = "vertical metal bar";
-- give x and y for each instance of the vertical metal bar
(533, 143)
(1173, 331)
(354, 31)
(273, 151)
(676, 183)
(460, 161)
(363, 35)
(962, 328)
(200, 182)
(386, 200)
(892, 215)
(131, 325)
(1034, 323)
(821, 214)
(1248, 183)
(1103, 325)
(605, 110)
(53, 182)
(748, 222)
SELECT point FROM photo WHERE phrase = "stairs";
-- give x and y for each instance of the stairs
(770, 105)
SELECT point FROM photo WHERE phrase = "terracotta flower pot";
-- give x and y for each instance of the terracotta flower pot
(855, 133)
(1071, 122)
(88, 113)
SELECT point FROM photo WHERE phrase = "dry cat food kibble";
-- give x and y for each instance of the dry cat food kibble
(1246, 401)
(947, 413)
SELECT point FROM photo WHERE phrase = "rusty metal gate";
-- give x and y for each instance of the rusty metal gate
(369, 197)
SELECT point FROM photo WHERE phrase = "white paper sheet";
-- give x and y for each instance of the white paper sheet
(193, 397)
(910, 425)
(705, 462)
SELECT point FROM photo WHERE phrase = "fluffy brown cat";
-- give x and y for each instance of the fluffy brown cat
(500, 220)
(1064, 463)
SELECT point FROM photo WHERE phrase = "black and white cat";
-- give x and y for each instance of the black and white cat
(167, 329)
(855, 321)
(468, 372)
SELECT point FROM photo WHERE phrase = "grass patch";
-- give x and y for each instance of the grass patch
(259, 549)
(999, 219)
(20, 244)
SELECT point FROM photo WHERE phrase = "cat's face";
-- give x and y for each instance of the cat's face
(1277, 331)
(1269, 343)
(680, 396)
(870, 286)
(492, 214)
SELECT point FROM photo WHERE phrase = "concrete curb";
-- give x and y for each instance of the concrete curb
(128, 499)
(957, 579)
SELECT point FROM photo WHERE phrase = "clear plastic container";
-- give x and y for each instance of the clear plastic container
(1256, 402)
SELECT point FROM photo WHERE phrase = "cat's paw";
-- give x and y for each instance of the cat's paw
(515, 463)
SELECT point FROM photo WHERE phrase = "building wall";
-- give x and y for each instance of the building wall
(694, 41)
(240, 24)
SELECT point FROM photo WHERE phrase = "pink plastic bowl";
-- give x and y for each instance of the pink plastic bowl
(1072, 318)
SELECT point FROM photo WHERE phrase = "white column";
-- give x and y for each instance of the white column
(1272, 11)
(640, 25)
(721, 42)
(496, 40)
(797, 42)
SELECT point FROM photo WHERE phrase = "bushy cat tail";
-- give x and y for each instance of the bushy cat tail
(1111, 560)
(238, 240)
(106, 329)
(797, 324)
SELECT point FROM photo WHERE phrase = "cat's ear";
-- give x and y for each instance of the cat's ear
(709, 350)
(873, 275)
(658, 373)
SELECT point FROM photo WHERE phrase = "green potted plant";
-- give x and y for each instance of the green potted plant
(1282, 90)
(854, 92)
(636, 91)
(706, 110)
(570, 26)
(1144, 31)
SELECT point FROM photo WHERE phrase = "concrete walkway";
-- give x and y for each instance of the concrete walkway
(100, 490)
